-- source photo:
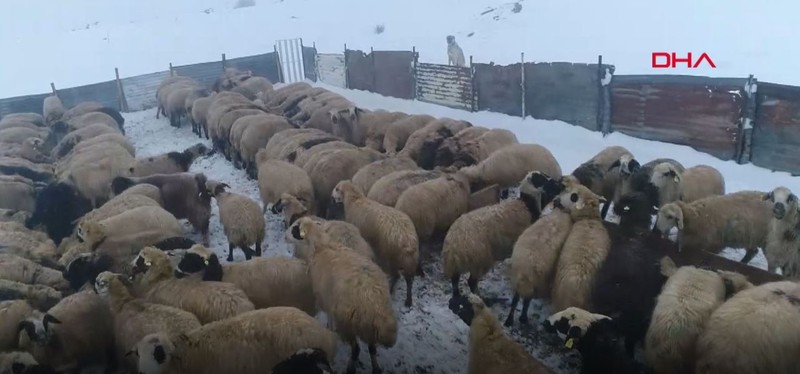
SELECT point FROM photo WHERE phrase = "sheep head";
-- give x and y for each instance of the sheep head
(291, 207)
(627, 165)
(154, 353)
(307, 229)
(195, 260)
(580, 202)
(783, 201)
(664, 174)
(92, 233)
(153, 263)
(574, 324)
(345, 189)
(108, 283)
(215, 188)
(669, 216)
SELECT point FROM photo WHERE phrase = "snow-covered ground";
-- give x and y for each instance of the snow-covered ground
(432, 339)
(77, 42)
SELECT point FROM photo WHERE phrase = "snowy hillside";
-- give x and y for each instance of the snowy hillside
(76, 42)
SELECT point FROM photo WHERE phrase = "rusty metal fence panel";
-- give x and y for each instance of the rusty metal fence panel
(360, 71)
(206, 73)
(330, 69)
(265, 65)
(394, 73)
(701, 112)
(290, 54)
(105, 93)
(499, 88)
(776, 135)
(446, 85)
(140, 91)
(22, 104)
(565, 91)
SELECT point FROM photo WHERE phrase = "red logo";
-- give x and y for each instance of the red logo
(666, 60)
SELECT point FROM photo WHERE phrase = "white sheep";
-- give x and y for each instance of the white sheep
(276, 177)
(434, 205)
(241, 218)
(783, 238)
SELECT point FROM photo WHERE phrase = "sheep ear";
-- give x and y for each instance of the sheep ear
(48, 319)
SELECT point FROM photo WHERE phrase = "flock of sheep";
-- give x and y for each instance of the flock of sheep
(96, 271)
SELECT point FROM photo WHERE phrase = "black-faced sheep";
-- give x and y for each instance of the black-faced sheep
(241, 218)
(184, 195)
(738, 220)
(584, 250)
(276, 177)
(388, 188)
(396, 135)
(171, 162)
(267, 281)
(596, 337)
(692, 184)
(508, 165)
(135, 318)
(783, 238)
(208, 301)
(687, 300)
(389, 231)
(434, 205)
(491, 351)
(248, 343)
(479, 238)
(756, 331)
(364, 312)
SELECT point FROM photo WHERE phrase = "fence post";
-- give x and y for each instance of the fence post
(53, 87)
(414, 92)
(171, 70)
(748, 123)
(316, 62)
(474, 103)
(601, 99)
(123, 102)
(224, 62)
(372, 56)
(346, 72)
(522, 83)
(278, 61)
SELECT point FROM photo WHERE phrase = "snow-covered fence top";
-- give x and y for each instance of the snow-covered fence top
(701, 112)
(776, 136)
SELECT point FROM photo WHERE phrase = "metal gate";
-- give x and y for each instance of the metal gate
(290, 55)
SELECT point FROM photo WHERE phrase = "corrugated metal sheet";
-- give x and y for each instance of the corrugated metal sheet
(703, 113)
(105, 93)
(394, 73)
(776, 135)
(206, 73)
(22, 104)
(140, 91)
(309, 63)
(360, 71)
(290, 53)
(499, 88)
(446, 85)
(564, 91)
(265, 65)
(330, 67)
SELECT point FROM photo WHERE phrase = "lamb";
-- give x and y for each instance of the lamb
(136, 318)
(491, 351)
(52, 109)
(683, 307)
(783, 245)
(739, 324)
(334, 167)
(389, 231)
(388, 188)
(463, 150)
(342, 232)
(421, 145)
(171, 162)
(276, 177)
(208, 301)
(12, 312)
(479, 238)
(508, 165)
(738, 220)
(365, 177)
(252, 342)
(241, 219)
(38, 296)
(363, 312)
(18, 269)
(184, 195)
(692, 184)
(434, 205)
(596, 337)
(584, 250)
(267, 281)
(398, 133)
(534, 258)
(78, 333)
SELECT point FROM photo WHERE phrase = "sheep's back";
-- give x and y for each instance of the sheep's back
(701, 181)
(536, 252)
(738, 219)
(243, 221)
(208, 301)
(388, 188)
(584, 251)
(273, 281)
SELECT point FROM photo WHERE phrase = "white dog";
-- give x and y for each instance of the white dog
(455, 56)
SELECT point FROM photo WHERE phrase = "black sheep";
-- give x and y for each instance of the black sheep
(58, 206)
(305, 361)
